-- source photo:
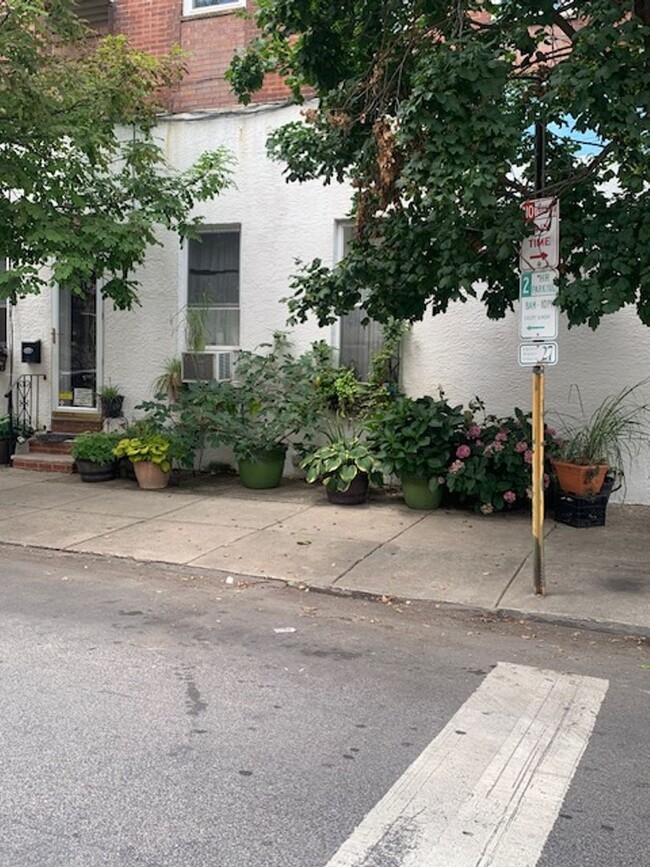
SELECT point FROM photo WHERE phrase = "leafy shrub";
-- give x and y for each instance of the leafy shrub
(492, 462)
(415, 437)
(339, 462)
(96, 447)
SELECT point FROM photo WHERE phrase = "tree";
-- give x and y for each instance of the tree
(83, 183)
(427, 107)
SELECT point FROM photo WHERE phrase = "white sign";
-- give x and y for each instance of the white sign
(533, 354)
(538, 318)
(541, 250)
(533, 283)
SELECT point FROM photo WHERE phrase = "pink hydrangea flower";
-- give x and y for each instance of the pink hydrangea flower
(551, 431)
(473, 432)
(441, 480)
(509, 496)
(487, 508)
(528, 456)
(497, 446)
(521, 447)
(479, 442)
(463, 452)
(457, 465)
(501, 437)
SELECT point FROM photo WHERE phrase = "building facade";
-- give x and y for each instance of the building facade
(253, 234)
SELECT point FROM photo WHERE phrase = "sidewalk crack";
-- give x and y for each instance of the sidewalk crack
(376, 548)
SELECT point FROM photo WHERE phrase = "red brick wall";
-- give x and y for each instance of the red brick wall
(208, 40)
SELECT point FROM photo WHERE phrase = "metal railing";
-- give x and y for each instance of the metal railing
(23, 406)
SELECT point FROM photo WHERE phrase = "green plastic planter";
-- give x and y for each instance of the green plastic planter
(418, 494)
(264, 471)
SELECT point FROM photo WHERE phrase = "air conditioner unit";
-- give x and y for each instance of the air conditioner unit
(207, 366)
(197, 366)
(225, 365)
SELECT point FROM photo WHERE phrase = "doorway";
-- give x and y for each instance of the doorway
(77, 336)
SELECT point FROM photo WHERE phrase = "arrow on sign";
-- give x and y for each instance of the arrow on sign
(539, 256)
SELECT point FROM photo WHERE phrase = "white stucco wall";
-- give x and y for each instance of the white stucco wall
(462, 351)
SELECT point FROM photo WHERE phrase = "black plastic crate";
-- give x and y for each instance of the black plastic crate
(583, 511)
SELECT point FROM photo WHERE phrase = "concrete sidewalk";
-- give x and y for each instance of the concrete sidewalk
(597, 576)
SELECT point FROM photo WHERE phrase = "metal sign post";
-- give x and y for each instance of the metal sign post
(538, 481)
(540, 252)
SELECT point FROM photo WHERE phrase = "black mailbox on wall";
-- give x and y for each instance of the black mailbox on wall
(30, 351)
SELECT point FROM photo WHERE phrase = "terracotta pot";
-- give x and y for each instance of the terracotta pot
(150, 477)
(578, 479)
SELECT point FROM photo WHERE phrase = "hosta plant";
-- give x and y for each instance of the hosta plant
(340, 461)
(155, 449)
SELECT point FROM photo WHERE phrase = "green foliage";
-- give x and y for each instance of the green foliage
(615, 431)
(427, 109)
(83, 183)
(154, 448)
(493, 459)
(97, 447)
(340, 460)
(415, 437)
(4, 426)
(272, 399)
(170, 381)
(109, 393)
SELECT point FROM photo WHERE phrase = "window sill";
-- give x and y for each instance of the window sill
(211, 13)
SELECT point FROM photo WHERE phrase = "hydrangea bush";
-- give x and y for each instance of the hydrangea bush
(492, 463)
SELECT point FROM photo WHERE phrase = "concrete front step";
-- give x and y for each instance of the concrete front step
(44, 463)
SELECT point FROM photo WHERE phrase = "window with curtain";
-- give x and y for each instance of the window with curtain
(358, 341)
(213, 286)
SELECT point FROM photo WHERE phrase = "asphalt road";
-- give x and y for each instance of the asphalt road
(154, 718)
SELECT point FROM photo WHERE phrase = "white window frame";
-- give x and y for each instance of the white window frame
(185, 264)
(190, 10)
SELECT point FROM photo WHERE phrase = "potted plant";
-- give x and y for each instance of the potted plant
(170, 381)
(94, 456)
(345, 465)
(492, 461)
(111, 402)
(413, 440)
(272, 399)
(4, 439)
(596, 446)
(151, 458)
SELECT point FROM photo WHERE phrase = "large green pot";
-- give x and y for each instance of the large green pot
(418, 494)
(264, 470)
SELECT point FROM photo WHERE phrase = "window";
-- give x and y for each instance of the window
(200, 7)
(213, 287)
(358, 342)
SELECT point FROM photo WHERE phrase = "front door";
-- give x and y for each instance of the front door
(76, 357)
